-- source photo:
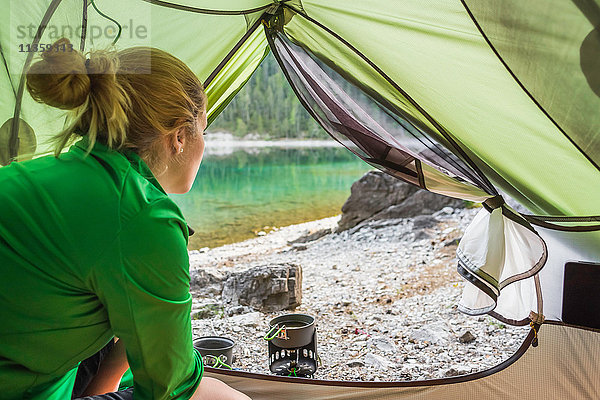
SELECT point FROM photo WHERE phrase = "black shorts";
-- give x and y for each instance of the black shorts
(87, 371)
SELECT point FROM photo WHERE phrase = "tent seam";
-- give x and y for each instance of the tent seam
(205, 10)
(7, 71)
(229, 98)
(390, 384)
(231, 52)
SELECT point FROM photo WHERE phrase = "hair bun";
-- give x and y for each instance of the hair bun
(60, 78)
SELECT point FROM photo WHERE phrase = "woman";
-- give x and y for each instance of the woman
(91, 247)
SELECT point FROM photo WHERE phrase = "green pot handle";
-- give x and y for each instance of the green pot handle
(217, 362)
(274, 335)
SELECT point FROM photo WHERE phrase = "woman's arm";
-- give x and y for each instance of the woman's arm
(147, 297)
(144, 286)
(210, 389)
(112, 368)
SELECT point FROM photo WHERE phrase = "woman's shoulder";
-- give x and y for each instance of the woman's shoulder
(98, 188)
(125, 176)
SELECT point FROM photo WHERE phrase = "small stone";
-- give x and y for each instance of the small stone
(435, 333)
(467, 337)
(421, 235)
(251, 319)
(452, 242)
(424, 222)
(247, 352)
(384, 345)
(457, 370)
(237, 310)
(451, 372)
(354, 364)
(208, 311)
(377, 361)
(261, 233)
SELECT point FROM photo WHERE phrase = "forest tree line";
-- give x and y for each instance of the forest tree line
(267, 105)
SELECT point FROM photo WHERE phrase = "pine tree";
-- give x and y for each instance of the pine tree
(268, 106)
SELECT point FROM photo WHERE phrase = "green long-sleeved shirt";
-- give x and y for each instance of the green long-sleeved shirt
(92, 247)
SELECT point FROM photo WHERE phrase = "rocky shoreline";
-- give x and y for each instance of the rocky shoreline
(225, 143)
(383, 293)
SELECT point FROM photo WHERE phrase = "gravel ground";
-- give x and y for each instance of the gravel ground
(384, 295)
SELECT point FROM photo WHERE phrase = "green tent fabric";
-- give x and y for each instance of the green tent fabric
(465, 98)
(531, 54)
(435, 53)
(203, 41)
(441, 55)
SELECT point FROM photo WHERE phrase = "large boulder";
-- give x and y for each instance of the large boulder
(265, 288)
(378, 196)
(207, 281)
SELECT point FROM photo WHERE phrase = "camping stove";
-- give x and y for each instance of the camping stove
(293, 345)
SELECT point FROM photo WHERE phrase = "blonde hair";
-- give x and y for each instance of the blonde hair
(126, 99)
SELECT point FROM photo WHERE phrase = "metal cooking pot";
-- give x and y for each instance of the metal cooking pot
(216, 351)
(291, 331)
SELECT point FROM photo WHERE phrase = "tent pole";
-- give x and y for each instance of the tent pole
(13, 141)
(84, 20)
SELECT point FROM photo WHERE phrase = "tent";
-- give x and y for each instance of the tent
(481, 100)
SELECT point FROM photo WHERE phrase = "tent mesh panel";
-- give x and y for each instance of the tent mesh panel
(380, 136)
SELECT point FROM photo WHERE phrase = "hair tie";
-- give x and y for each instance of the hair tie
(87, 63)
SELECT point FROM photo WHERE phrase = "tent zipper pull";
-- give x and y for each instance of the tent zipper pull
(536, 320)
(535, 327)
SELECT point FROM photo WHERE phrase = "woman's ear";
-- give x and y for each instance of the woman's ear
(178, 141)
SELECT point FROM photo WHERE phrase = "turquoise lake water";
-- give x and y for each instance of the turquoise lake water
(238, 195)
